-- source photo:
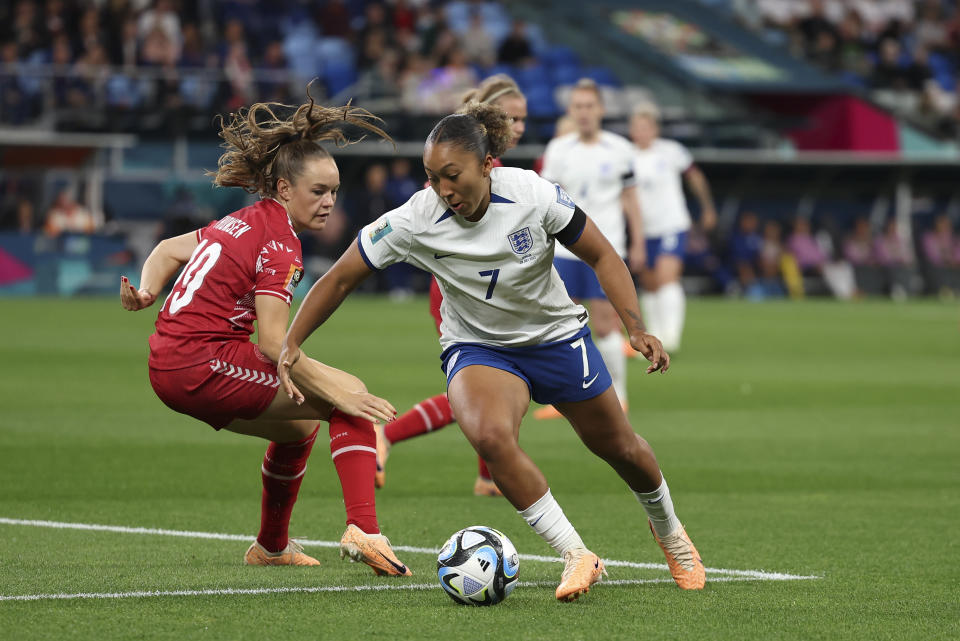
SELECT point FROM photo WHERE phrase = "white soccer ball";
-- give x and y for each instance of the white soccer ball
(478, 566)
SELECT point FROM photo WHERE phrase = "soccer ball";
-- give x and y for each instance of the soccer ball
(478, 566)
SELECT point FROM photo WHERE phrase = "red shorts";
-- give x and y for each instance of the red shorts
(435, 299)
(237, 382)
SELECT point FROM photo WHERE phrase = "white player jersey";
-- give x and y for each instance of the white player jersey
(496, 275)
(595, 176)
(659, 188)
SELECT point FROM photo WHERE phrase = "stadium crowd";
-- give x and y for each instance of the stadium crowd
(906, 52)
(159, 62)
(164, 59)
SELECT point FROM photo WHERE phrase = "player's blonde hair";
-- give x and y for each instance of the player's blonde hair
(589, 84)
(492, 89)
(646, 109)
(263, 147)
(477, 127)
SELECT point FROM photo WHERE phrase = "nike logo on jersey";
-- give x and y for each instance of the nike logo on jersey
(587, 384)
(439, 256)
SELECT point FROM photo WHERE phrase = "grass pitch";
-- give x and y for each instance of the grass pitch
(815, 439)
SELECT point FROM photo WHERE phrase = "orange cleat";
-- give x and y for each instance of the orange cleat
(383, 451)
(546, 412)
(290, 555)
(485, 487)
(583, 568)
(628, 350)
(682, 558)
(372, 549)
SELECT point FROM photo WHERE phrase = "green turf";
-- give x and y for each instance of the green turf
(812, 438)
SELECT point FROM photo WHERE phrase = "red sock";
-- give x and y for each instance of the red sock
(353, 445)
(284, 465)
(426, 416)
(482, 469)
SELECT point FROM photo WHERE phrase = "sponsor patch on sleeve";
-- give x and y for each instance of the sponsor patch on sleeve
(382, 229)
(294, 276)
(564, 198)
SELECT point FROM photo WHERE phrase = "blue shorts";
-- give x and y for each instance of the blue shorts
(558, 372)
(670, 244)
(581, 281)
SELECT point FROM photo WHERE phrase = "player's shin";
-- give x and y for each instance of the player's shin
(353, 448)
(426, 416)
(282, 472)
(659, 508)
(547, 519)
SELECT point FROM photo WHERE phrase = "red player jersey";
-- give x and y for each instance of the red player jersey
(251, 252)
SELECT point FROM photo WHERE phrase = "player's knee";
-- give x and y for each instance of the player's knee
(493, 442)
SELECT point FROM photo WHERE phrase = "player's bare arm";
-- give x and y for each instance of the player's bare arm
(638, 247)
(321, 301)
(166, 259)
(344, 391)
(597, 252)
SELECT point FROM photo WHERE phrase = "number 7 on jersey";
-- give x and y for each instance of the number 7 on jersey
(492, 273)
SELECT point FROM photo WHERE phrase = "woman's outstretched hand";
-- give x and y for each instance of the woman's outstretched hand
(651, 348)
(132, 299)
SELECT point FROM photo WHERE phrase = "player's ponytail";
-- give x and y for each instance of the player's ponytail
(262, 147)
(477, 127)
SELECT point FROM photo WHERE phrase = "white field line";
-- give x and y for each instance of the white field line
(759, 575)
(381, 587)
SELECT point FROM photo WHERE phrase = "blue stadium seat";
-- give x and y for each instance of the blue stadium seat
(560, 55)
(603, 76)
(338, 75)
(540, 102)
(122, 91)
(565, 74)
(528, 77)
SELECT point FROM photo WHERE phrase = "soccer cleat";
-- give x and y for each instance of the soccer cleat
(383, 451)
(546, 412)
(582, 569)
(628, 350)
(682, 559)
(290, 555)
(485, 487)
(372, 549)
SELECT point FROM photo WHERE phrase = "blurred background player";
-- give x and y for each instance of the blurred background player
(595, 167)
(658, 164)
(244, 268)
(434, 413)
(510, 331)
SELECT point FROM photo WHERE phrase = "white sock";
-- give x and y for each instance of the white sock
(611, 349)
(673, 304)
(650, 305)
(659, 508)
(547, 519)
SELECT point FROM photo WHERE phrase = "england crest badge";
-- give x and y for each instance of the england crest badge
(521, 241)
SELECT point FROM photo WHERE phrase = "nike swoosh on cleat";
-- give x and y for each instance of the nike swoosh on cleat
(439, 256)
(399, 567)
(587, 384)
